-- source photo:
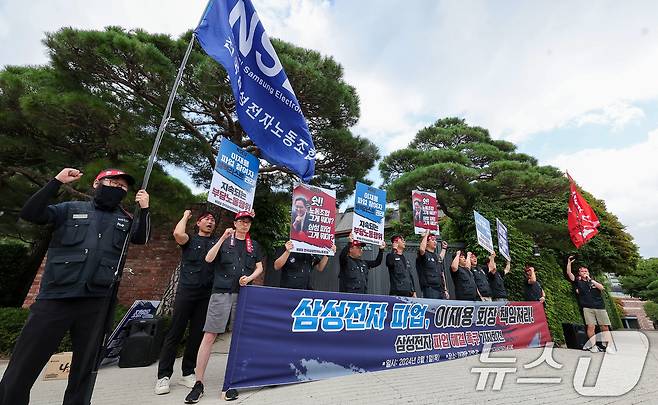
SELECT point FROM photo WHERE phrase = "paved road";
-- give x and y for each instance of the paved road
(450, 382)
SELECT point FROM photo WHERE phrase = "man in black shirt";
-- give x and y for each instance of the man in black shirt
(533, 290)
(237, 261)
(481, 278)
(496, 279)
(589, 296)
(82, 260)
(353, 276)
(429, 267)
(296, 267)
(399, 270)
(192, 295)
(462, 276)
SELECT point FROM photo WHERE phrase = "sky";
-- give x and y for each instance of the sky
(571, 83)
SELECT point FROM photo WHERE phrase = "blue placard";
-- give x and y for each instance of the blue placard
(483, 229)
(233, 184)
(369, 210)
(503, 245)
(284, 336)
(267, 108)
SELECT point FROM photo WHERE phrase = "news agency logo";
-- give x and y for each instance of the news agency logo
(617, 374)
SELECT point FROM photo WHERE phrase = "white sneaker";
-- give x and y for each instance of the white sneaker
(188, 380)
(162, 386)
(594, 349)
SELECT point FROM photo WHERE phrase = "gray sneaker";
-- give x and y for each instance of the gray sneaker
(195, 395)
(188, 380)
(162, 386)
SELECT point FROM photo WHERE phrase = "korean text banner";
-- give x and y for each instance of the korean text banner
(233, 184)
(284, 336)
(266, 105)
(368, 217)
(313, 220)
(483, 230)
(503, 245)
(426, 212)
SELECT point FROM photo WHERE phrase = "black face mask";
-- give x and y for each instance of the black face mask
(108, 198)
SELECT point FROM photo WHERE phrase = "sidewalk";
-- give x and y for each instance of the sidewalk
(448, 382)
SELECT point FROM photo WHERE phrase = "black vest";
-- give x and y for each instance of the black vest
(481, 280)
(497, 285)
(399, 273)
(233, 262)
(296, 272)
(354, 277)
(464, 284)
(195, 272)
(84, 252)
(430, 270)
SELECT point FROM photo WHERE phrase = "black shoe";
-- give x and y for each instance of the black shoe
(196, 393)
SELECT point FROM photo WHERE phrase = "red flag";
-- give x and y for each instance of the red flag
(582, 219)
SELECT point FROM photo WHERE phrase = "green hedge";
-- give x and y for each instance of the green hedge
(13, 255)
(13, 319)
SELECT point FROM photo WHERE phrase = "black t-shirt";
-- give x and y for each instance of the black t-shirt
(588, 295)
(430, 270)
(296, 272)
(533, 291)
(481, 280)
(465, 288)
(497, 284)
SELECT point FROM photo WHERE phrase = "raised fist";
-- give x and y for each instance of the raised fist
(68, 175)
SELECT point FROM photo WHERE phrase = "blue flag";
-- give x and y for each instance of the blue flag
(267, 108)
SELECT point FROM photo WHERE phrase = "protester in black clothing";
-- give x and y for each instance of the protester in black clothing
(589, 296)
(353, 276)
(429, 267)
(481, 279)
(82, 259)
(192, 295)
(399, 270)
(237, 260)
(533, 290)
(462, 276)
(496, 279)
(296, 267)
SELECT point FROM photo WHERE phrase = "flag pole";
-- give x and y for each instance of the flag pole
(108, 317)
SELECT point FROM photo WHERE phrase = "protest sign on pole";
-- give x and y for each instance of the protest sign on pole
(426, 212)
(483, 229)
(233, 183)
(368, 218)
(503, 245)
(313, 220)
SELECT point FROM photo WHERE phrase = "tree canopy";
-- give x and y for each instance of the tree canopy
(133, 71)
(469, 171)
